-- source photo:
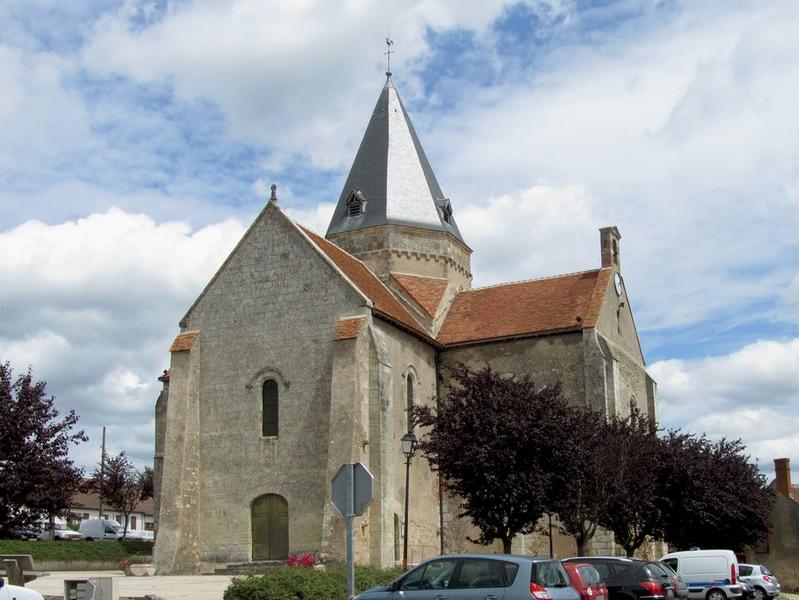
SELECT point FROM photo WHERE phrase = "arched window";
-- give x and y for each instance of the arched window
(409, 399)
(269, 409)
(633, 405)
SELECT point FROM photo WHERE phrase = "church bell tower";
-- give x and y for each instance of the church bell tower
(391, 213)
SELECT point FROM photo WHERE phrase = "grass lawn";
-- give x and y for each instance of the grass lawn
(77, 550)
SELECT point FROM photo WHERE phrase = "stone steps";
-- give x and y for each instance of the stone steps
(249, 568)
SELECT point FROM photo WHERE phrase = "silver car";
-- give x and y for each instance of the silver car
(761, 579)
(479, 576)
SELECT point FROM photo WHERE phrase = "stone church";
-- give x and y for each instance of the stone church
(304, 352)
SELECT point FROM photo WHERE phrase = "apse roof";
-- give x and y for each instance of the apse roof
(391, 181)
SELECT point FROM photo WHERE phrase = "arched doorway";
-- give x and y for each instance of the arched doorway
(270, 528)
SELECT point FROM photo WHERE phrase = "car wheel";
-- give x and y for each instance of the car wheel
(715, 595)
(760, 594)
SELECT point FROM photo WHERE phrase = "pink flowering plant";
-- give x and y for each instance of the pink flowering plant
(306, 559)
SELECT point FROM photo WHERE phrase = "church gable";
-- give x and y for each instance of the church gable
(265, 260)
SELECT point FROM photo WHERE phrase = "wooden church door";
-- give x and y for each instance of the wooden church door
(270, 528)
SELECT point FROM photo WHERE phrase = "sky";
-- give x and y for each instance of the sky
(138, 140)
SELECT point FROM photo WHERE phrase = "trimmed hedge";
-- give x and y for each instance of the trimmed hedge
(76, 550)
(298, 583)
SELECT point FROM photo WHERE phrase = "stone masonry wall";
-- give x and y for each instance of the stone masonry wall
(269, 313)
(409, 250)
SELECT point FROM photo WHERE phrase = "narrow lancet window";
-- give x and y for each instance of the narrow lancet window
(409, 399)
(269, 409)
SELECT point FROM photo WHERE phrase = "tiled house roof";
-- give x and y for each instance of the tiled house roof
(385, 304)
(551, 305)
(426, 291)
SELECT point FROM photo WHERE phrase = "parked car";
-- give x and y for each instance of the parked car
(764, 584)
(747, 590)
(14, 592)
(100, 529)
(585, 579)
(709, 574)
(467, 576)
(630, 578)
(59, 532)
(680, 589)
(25, 533)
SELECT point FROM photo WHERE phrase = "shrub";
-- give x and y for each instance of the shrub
(137, 547)
(305, 584)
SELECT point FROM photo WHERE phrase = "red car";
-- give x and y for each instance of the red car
(585, 579)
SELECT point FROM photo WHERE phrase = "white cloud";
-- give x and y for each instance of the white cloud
(39, 115)
(682, 130)
(751, 393)
(523, 234)
(94, 306)
(301, 76)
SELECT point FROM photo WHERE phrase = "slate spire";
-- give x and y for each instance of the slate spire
(391, 181)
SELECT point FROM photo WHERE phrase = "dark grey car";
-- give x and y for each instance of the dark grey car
(479, 576)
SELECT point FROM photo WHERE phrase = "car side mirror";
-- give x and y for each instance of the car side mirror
(2, 582)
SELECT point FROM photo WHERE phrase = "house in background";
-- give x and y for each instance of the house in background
(87, 506)
(780, 550)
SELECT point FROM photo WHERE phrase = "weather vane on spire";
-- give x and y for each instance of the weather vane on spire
(388, 53)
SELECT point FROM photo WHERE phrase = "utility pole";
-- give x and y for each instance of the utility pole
(102, 474)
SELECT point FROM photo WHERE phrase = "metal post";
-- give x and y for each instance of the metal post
(102, 475)
(405, 525)
(551, 553)
(350, 534)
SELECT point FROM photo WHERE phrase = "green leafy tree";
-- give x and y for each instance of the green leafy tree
(37, 477)
(118, 485)
(146, 483)
(496, 442)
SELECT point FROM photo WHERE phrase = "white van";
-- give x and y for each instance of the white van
(100, 529)
(709, 574)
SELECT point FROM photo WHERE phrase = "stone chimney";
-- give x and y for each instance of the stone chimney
(782, 470)
(609, 243)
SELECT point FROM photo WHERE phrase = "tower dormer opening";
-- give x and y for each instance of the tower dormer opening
(356, 204)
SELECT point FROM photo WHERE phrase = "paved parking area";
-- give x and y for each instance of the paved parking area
(173, 587)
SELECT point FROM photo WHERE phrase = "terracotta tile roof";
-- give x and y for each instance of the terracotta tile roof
(82, 500)
(528, 307)
(349, 328)
(385, 304)
(427, 291)
(184, 341)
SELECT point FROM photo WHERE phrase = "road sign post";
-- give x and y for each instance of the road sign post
(351, 493)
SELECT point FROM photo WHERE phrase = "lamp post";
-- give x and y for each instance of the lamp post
(408, 448)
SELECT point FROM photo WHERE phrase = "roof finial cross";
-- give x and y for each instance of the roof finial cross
(388, 53)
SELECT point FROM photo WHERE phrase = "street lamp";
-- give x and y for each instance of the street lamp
(408, 448)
